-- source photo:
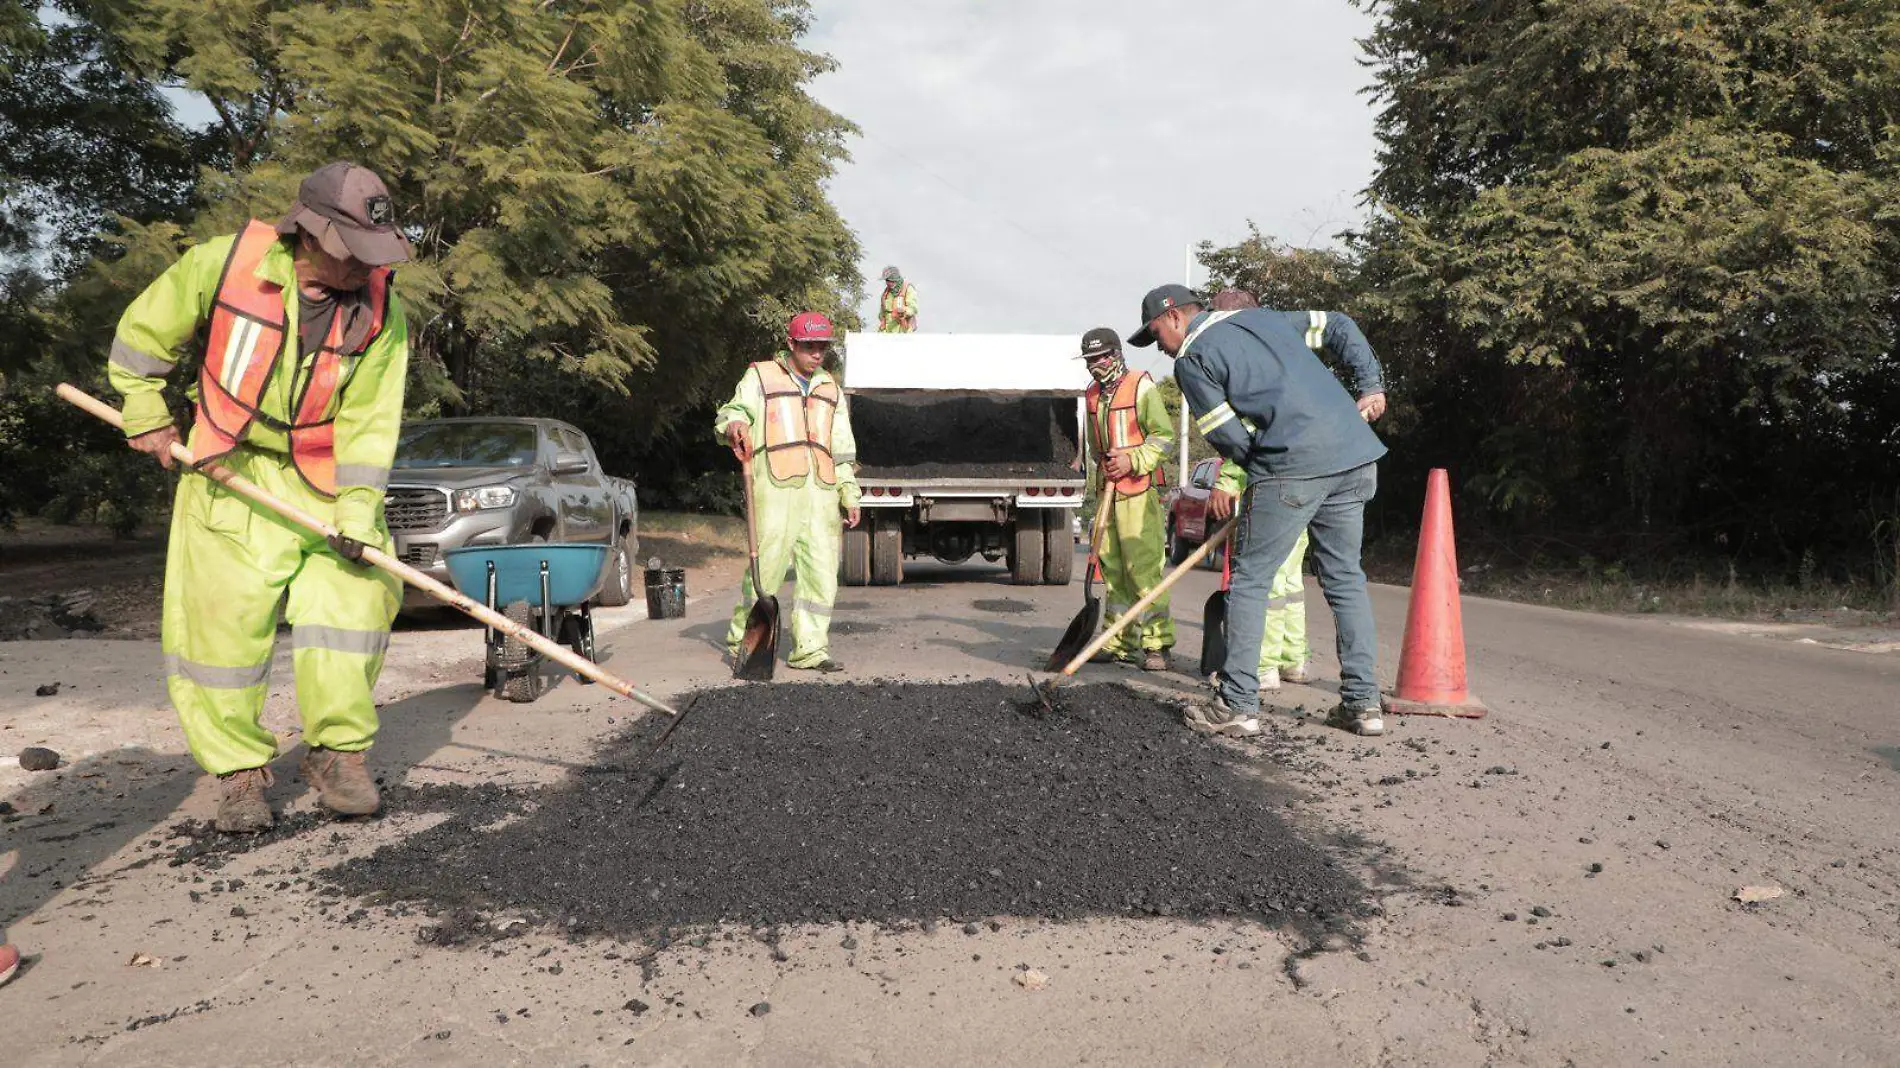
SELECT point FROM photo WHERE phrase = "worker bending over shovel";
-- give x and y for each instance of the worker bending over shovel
(789, 424)
(1128, 436)
(300, 391)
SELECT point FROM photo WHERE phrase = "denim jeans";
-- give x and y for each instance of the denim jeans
(1332, 508)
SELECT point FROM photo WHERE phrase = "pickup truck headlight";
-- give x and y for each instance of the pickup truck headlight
(484, 497)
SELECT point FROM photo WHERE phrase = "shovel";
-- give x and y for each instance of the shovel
(758, 650)
(376, 557)
(1083, 626)
(1046, 691)
(1214, 618)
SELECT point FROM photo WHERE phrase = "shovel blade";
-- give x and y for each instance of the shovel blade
(1076, 638)
(758, 650)
(1214, 632)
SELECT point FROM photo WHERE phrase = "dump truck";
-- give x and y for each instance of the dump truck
(968, 445)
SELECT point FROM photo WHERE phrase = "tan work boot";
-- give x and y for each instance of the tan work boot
(244, 809)
(1156, 660)
(342, 781)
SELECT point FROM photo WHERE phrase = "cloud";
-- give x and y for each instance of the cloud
(1037, 166)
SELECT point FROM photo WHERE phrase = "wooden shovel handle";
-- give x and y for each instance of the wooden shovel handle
(375, 557)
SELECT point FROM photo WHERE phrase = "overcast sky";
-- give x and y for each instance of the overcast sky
(1038, 166)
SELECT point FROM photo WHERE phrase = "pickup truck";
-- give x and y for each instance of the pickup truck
(968, 445)
(1188, 521)
(496, 481)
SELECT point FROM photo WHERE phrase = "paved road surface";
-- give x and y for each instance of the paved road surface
(1687, 763)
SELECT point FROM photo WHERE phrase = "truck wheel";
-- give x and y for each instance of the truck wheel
(1025, 562)
(1058, 554)
(617, 588)
(1178, 548)
(854, 567)
(887, 551)
(521, 679)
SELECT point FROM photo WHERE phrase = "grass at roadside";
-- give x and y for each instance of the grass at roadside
(1676, 588)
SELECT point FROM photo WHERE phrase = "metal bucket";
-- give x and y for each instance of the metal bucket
(666, 591)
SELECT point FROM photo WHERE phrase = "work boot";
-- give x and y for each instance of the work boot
(1156, 660)
(1299, 674)
(244, 810)
(1212, 716)
(9, 963)
(1367, 721)
(827, 666)
(342, 781)
(1270, 679)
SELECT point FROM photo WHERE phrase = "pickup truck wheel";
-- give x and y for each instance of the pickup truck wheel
(520, 671)
(887, 551)
(617, 588)
(1025, 560)
(1058, 563)
(1178, 547)
(854, 566)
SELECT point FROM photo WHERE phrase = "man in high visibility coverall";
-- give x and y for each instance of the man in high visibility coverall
(789, 421)
(1128, 435)
(897, 308)
(300, 392)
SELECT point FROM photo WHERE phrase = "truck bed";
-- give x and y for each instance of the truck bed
(964, 436)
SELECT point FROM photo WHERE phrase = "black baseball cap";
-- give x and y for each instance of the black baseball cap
(1100, 341)
(348, 210)
(1158, 300)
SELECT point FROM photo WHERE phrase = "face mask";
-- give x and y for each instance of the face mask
(1107, 372)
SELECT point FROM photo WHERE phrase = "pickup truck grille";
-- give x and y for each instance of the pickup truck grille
(411, 509)
(419, 556)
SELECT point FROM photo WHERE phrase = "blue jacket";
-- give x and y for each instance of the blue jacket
(1266, 402)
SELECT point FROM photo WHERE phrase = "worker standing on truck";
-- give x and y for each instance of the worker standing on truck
(1266, 402)
(791, 410)
(897, 308)
(304, 357)
(1128, 436)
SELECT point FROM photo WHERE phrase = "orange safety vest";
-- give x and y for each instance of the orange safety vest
(797, 425)
(893, 304)
(1122, 429)
(248, 336)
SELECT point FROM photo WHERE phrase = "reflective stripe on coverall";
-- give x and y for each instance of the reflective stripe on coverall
(1134, 545)
(800, 521)
(230, 563)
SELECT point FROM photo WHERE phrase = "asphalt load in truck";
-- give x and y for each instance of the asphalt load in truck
(895, 803)
(920, 436)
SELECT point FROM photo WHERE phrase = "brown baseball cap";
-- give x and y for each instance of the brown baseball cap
(348, 210)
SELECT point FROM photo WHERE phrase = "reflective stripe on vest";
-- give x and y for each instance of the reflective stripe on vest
(1121, 430)
(247, 339)
(797, 425)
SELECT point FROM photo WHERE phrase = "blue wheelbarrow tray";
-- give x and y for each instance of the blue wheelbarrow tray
(574, 572)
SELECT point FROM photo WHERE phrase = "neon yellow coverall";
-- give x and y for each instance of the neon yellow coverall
(230, 563)
(1134, 545)
(891, 305)
(1283, 643)
(801, 522)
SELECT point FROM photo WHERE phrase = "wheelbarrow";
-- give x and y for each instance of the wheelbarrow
(546, 587)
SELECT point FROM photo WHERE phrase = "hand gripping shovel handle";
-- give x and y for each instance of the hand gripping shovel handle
(560, 654)
(1194, 559)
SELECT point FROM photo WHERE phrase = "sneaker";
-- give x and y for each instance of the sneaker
(1270, 679)
(342, 781)
(1156, 660)
(1367, 721)
(244, 809)
(1299, 674)
(826, 666)
(9, 963)
(1213, 717)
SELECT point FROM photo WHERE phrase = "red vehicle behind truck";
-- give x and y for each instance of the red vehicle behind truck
(1188, 521)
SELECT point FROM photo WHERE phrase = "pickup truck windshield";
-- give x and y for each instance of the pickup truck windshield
(465, 445)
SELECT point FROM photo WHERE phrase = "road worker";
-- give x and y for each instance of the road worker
(897, 308)
(788, 421)
(1128, 437)
(300, 392)
(1264, 400)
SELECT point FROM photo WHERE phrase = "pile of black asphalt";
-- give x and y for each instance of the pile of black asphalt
(892, 802)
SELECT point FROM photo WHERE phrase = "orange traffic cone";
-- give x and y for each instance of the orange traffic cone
(1432, 660)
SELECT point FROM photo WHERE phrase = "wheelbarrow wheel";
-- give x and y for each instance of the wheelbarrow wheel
(519, 666)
